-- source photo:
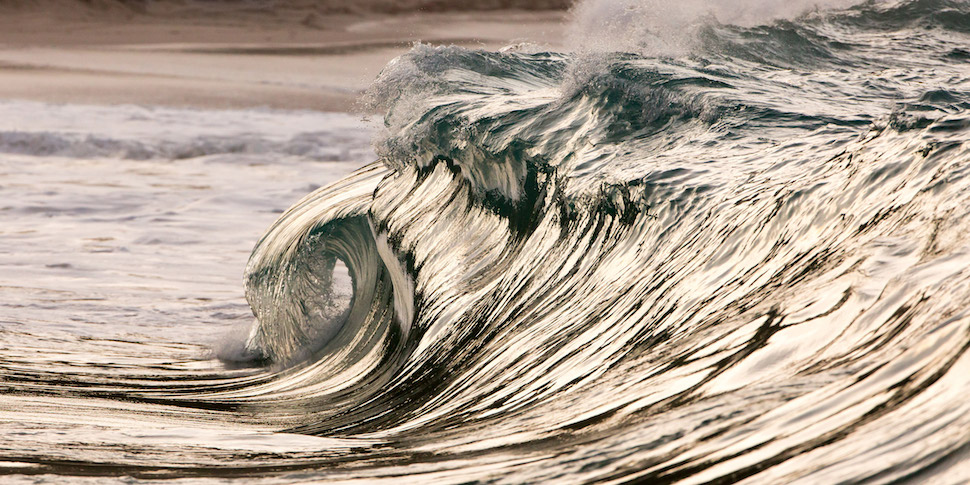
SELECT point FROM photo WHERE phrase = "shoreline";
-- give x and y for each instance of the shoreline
(236, 60)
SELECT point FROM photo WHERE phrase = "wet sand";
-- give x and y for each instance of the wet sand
(232, 59)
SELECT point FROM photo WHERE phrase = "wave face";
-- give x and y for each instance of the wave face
(748, 262)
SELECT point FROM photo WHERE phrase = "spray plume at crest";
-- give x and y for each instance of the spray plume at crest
(663, 27)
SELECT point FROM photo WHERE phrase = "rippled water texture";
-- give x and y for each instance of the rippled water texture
(743, 260)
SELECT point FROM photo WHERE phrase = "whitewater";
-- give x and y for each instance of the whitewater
(702, 246)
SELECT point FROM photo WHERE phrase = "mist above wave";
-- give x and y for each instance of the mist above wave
(663, 27)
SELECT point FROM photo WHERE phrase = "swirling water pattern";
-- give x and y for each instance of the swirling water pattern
(746, 263)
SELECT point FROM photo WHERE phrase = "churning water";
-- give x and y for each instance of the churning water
(739, 253)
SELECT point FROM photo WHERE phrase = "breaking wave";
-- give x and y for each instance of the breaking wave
(748, 260)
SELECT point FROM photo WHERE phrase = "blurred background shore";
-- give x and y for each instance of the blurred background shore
(286, 54)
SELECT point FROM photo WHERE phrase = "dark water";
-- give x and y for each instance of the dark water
(746, 261)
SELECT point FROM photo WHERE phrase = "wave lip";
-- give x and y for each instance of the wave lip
(290, 275)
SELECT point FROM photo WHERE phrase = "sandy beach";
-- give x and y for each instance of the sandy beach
(232, 58)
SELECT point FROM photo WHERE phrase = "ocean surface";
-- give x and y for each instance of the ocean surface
(700, 251)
